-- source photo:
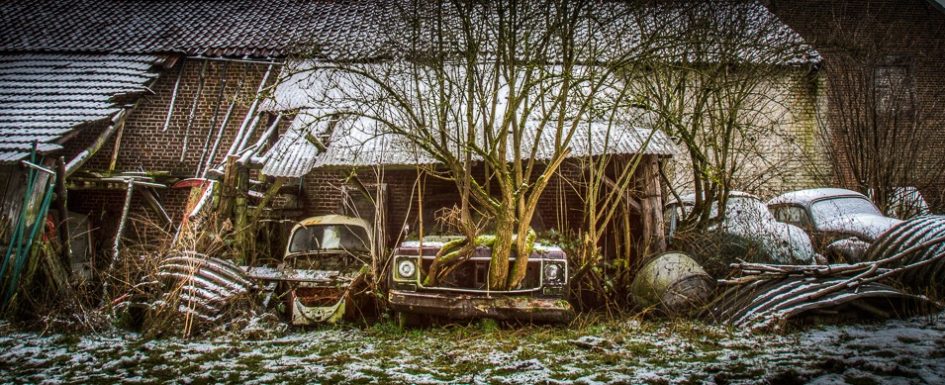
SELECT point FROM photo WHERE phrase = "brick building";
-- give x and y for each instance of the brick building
(883, 75)
(214, 65)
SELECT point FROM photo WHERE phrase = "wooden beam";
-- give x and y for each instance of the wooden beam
(62, 204)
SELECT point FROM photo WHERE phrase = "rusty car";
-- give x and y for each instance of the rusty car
(324, 256)
(464, 293)
(841, 223)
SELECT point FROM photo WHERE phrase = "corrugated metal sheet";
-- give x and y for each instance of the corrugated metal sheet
(294, 155)
(772, 303)
(361, 143)
(43, 97)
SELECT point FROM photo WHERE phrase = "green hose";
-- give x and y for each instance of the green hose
(21, 259)
(23, 251)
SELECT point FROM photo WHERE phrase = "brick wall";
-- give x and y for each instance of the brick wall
(146, 146)
(323, 192)
(782, 150)
(855, 35)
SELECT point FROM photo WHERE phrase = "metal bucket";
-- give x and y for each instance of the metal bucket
(673, 282)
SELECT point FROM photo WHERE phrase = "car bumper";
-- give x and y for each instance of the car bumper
(464, 306)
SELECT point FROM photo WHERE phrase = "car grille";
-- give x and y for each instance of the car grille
(318, 296)
(473, 275)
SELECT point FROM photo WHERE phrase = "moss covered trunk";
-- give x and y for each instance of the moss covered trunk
(502, 249)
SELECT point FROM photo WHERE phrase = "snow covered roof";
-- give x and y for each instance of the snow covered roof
(361, 142)
(349, 30)
(193, 27)
(321, 96)
(294, 154)
(45, 97)
(806, 197)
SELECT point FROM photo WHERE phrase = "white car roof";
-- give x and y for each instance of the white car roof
(691, 198)
(805, 197)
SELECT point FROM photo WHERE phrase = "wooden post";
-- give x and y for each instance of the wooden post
(651, 206)
(114, 160)
(63, 205)
(270, 193)
(244, 235)
(229, 185)
(116, 246)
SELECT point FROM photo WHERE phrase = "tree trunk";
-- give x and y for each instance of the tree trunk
(501, 250)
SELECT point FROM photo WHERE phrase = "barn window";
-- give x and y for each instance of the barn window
(894, 89)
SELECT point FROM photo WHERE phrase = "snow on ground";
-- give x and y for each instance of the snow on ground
(896, 352)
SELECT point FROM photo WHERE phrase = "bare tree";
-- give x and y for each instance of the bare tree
(505, 85)
(714, 86)
(877, 121)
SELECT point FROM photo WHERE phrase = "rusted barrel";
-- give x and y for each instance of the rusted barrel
(672, 281)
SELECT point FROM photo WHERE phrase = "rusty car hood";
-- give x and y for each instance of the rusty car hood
(866, 226)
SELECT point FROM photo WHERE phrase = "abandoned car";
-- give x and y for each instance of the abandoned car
(324, 256)
(464, 292)
(748, 231)
(842, 223)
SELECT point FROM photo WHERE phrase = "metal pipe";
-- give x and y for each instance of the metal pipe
(133, 181)
(155, 204)
(261, 141)
(38, 167)
(245, 61)
(170, 110)
(193, 108)
(213, 120)
(250, 115)
(82, 157)
(250, 130)
(219, 138)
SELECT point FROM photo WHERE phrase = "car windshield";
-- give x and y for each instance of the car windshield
(329, 237)
(827, 209)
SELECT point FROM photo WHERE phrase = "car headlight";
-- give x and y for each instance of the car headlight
(553, 272)
(406, 269)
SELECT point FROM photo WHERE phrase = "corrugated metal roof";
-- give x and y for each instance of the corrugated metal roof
(294, 155)
(363, 143)
(360, 142)
(43, 97)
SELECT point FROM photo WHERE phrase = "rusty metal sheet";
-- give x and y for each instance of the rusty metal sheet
(771, 304)
(201, 286)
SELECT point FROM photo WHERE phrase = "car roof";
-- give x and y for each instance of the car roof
(691, 198)
(805, 197)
